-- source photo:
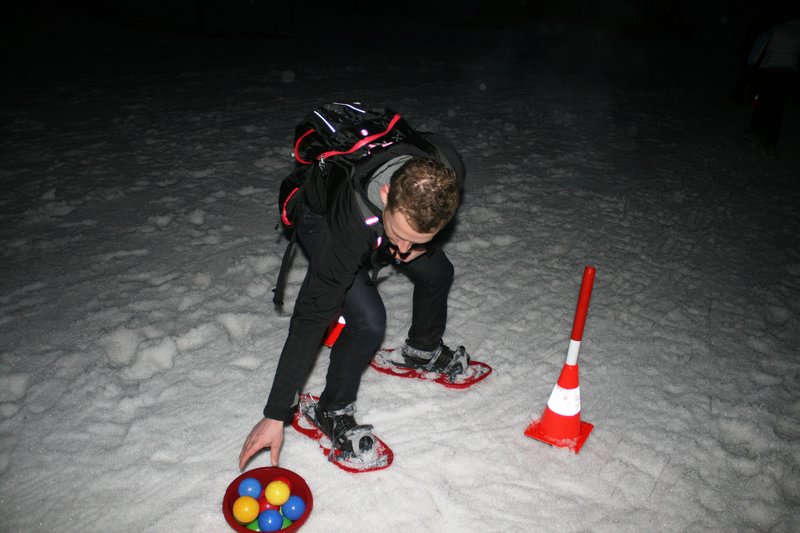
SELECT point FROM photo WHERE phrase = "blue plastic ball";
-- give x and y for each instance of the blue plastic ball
(294, 508)
(270, 520)
(250, 486)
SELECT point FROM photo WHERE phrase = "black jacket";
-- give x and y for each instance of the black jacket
(345, 245)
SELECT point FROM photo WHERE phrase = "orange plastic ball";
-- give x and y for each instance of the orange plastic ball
(245, 509)
(277, 493)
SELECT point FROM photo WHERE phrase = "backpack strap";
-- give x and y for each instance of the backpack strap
(373, 221)
(280, 284)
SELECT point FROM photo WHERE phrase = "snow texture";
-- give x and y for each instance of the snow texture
(138, 341)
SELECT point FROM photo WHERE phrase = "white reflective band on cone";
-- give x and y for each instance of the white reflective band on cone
(565, 402)
(572, 352)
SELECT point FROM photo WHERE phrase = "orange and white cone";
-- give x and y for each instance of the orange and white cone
(334, 330)
(561, 423)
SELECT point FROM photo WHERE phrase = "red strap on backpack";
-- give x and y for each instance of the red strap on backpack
(284, 218)
(366, 140)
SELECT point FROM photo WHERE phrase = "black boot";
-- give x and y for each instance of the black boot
(442, 359)
(344, 433)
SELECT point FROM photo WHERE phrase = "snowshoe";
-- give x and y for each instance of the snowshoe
(453, 369)
(349, 445)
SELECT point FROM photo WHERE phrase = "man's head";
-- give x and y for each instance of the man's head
(426, 192)
(421, 198)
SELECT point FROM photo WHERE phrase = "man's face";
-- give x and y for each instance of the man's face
(405, 242)
(402, 237)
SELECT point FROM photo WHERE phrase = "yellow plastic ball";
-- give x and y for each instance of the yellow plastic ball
(245, 509)
(277, 493)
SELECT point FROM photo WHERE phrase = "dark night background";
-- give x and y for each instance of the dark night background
(44, 41)
(60, 26)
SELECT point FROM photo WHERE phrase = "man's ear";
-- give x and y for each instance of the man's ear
(384, 192)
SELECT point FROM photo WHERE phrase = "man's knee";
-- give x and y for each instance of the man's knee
(369, 327)
(440, 273)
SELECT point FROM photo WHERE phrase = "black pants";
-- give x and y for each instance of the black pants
(365, 314)
(774, 88)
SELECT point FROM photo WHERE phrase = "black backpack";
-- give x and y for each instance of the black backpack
(351, 138)
(344, 134)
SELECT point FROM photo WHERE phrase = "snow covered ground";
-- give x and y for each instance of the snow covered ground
(138, 341)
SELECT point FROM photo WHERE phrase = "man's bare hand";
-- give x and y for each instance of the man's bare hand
(268, 433)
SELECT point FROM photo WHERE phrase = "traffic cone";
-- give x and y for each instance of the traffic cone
(561, 423)
(333, 332)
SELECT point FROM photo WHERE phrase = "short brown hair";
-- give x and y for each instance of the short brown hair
(426, 192)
